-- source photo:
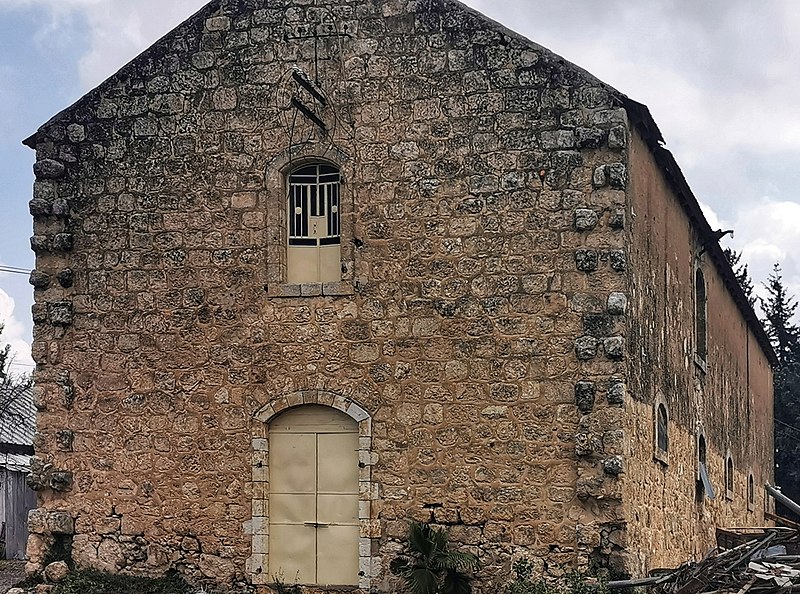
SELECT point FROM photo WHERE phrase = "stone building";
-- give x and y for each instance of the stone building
(308, 269)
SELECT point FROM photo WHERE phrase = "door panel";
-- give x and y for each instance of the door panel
(313, 506)
(338, 468)
(337, 509)
(291, 560)
(337, 563)
(296, 471)
(292, 508)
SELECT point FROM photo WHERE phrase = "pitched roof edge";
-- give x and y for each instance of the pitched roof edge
(641, 118)
(501, 28)
(31, 140)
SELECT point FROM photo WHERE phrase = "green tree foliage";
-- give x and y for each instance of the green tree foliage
(742, 275)
(429, 566)
(13, 387)
(779, 309)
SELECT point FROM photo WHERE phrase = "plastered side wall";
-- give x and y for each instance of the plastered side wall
(479, 324)
(730, 400)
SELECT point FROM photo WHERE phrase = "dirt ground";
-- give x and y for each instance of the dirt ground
(11, 572)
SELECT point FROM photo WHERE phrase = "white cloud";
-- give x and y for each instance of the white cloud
(765, 234)
(116, 31)
(13, 334)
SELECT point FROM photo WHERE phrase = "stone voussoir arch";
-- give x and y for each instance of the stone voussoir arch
(258, 527)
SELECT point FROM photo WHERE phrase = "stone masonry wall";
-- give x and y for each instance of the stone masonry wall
(728, 399)
(480, 323)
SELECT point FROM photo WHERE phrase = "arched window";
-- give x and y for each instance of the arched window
(314, 224)
(751, 492)
(313, 497)
(700, 329)
(729, 476)
(661, 432)
(704, 486)
(662, 438)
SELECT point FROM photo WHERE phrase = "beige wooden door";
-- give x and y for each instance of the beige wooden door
(313, 500)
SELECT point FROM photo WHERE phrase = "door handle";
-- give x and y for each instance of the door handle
(317, 524)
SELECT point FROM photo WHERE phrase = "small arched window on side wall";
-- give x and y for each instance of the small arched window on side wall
(661, 445)
(314, 224)
(751, 493)
(729, 476)
(700, 317)
(704, 488)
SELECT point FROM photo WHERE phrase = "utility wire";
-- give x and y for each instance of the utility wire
(14, 270)
(788, 425)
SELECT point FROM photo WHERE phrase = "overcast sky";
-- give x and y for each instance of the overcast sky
(721, 78)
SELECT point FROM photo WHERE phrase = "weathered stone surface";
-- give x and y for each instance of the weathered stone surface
(584, 396)
(56, 571)
(59, 522)
(586, 260)
(597, 324)
(217, 568)
(37, 521)
(614, 465)
(48, 169)
(40, 243)
(585, 219)
(60, 313)
(616, 392)
(586, 347)
(66, 278)
(617, 220)
(614, 347)
(618, 260)
(39, 280)
(109, 555)
(617, 303)
(40, 207)
(63, 242)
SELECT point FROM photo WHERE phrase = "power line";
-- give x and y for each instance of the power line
(788, 425)
(14, 270)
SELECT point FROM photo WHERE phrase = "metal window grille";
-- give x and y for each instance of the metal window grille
(314, 206)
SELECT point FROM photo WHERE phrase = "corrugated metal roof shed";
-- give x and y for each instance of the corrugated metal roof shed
(18, 421)
(15, 462)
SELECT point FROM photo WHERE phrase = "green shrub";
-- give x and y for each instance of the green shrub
(573, 582)
(428, 565)
(90, 581)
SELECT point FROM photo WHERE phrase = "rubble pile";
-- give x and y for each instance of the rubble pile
(766, 561)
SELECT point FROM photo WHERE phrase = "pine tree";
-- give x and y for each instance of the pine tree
(779, 308)
(742, 275)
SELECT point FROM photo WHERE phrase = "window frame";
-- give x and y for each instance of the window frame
(729, 475)
(659, 453)
(703, 485)
(700, 319)
(257, 566)
(276, 231)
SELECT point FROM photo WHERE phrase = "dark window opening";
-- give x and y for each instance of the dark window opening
(704, 488)
(701, 343)
(662, 438)
(729, 477)
(314, 209)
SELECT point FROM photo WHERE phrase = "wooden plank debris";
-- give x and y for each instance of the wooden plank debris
(746, 561)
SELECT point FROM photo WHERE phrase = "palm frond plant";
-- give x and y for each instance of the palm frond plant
(429, 566)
